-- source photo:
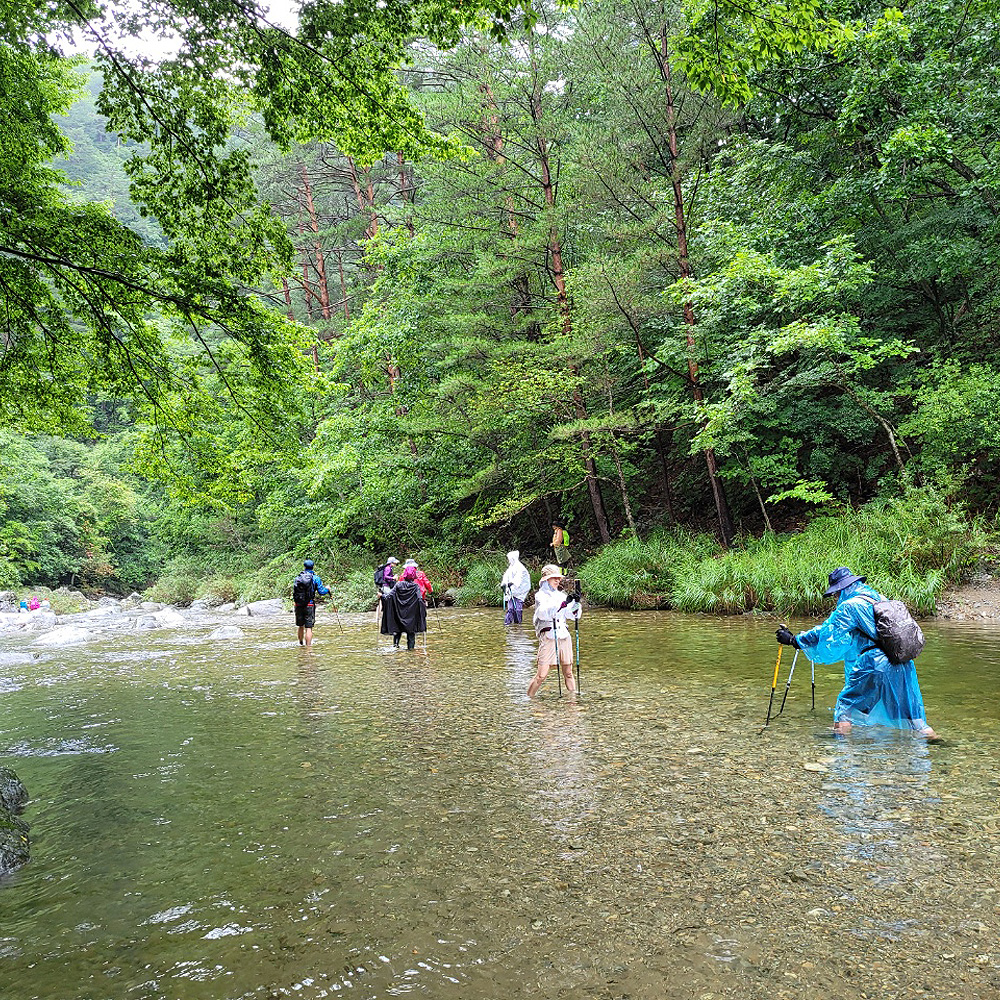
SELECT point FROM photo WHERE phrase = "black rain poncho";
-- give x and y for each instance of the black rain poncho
(403, 610)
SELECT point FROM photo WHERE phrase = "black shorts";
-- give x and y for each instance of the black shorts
(305, 616)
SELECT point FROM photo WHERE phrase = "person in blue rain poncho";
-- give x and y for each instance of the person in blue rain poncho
(876, 692)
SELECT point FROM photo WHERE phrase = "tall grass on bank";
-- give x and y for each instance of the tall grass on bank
(909, 548)
(643, 573)
(481, 586)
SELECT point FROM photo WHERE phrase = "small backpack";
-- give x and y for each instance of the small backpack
(379, 575)
(896, 633)
(302, 588)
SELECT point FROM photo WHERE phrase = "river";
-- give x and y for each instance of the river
(248, 819)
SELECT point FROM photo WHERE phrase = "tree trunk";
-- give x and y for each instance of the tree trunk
(306, 283)
(564, 306)
(324, 290)
(406, 193)
(288, 299)
(343, 284)
(684, 264)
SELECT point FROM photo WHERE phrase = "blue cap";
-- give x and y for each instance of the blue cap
(308, 564)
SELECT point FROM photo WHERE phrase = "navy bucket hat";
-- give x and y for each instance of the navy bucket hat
(840, 579)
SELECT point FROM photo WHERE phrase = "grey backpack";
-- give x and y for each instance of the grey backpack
(896, 633)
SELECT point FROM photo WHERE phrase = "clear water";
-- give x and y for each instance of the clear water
(246, 819)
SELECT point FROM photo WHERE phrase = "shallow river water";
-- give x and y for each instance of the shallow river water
(247, 819)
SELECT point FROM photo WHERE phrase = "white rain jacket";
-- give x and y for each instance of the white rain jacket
(547, 606)
(517, 577)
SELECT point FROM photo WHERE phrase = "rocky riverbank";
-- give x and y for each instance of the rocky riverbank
(977, 600)
(130, 614)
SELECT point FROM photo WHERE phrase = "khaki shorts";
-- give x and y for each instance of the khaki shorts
(547, 651)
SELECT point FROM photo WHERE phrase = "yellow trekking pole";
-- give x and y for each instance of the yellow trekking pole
(774, 684)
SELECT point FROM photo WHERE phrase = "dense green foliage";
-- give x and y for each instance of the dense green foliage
(422, 278)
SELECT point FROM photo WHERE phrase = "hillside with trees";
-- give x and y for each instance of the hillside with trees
(693, 277)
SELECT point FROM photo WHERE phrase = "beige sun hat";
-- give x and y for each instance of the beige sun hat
(550, 572)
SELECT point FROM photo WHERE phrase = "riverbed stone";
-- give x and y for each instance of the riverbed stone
(13, 829)
(64, 635)
(228, 632)
(226, 608)
(8, 600)
(261, 609)
(36, 620)
(144, 622)
(169, 618)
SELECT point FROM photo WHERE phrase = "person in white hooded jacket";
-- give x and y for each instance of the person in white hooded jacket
(552, 609)
(515, 585)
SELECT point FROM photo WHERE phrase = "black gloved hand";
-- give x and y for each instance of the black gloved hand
(785, 637)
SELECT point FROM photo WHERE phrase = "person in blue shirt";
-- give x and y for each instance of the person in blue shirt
(305, 609)
(876, 692)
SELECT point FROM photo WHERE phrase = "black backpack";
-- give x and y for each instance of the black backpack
(379, 575)
(303, 587)
(896, 633)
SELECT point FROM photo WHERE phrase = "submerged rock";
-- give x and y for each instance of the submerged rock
(228, 632)
(64, 636)
(13, 830)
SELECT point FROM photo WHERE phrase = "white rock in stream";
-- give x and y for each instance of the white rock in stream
(65, 635)
(169, 618)
(228, 632)
(262, 608)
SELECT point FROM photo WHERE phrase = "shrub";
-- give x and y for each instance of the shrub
(355, 591)
(481, 586)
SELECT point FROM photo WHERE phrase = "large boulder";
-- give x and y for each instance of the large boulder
(169, 618)
(65, 635)
(8, 600)
(261, 609)
(13, 830)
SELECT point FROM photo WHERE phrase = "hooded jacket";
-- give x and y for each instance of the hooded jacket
(517, 577)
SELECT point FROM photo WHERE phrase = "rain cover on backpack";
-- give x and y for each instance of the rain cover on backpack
(896, 633)
(302, 588)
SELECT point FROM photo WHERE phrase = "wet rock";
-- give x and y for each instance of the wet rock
(169, 618)
(225, 608)
(8, 600)
(65, 635)
(147, 622)
(151, 606)
(260, 609)
(13, 830)
(228, 632)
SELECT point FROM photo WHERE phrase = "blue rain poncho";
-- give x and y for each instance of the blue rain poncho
(876, 692)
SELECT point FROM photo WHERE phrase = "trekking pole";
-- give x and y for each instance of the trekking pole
(813, 662)
(789, 683)
(774, 684)
(579, 600)
(555, 640)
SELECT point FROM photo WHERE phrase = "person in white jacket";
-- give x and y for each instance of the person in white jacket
(515, 585)
(552, 609)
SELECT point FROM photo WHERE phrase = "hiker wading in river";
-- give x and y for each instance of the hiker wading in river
(403, 610)
(552, 608)
(876, 692)
(305, 587)
(515, 585)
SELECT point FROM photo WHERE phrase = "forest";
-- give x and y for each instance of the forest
(714, 283)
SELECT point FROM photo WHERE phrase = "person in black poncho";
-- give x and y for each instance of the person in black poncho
(403, 610)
